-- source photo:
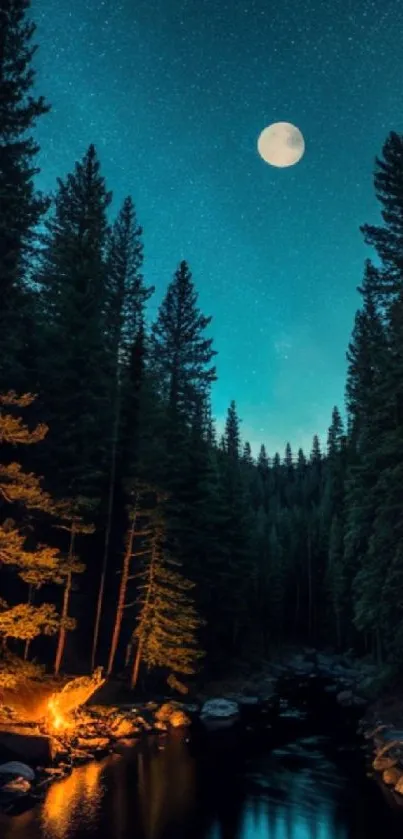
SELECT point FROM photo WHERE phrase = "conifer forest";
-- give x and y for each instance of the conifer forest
(133, 536)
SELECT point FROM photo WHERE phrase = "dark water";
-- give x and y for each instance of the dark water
(303, 779)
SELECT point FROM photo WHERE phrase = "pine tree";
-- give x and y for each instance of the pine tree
(126, 300)
(376, 395)
(167, 622)
(75, 365)
(21, 206)
(247, 457)
(181, 354)
(73, 513)
(232, 433)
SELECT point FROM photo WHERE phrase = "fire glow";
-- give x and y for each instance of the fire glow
(57, 721)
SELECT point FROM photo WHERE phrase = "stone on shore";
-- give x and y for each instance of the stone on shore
(27, 745)
(219, 713)
(20, 770)
(392, 776)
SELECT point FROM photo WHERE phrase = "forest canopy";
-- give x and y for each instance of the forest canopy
(129, 535)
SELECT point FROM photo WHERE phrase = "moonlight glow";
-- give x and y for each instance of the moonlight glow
(281, 144)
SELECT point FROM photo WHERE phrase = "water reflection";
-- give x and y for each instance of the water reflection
(166, 793)
(74, 800)
(166, 787)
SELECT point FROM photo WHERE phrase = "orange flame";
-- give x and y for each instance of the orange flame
(57, 721)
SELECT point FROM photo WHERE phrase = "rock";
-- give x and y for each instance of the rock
(164, 713)
(171, 713)
(392, 776)
(124, 727)
(219, 713)
(179, 719)
(93, 742)
(15, 767)
(33, 748)
(381, 764)
(17, 785)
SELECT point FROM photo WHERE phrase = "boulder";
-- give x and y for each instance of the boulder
(20, 770)
(31, 747)
(164, 713)
(16, 786)
(219, 714)
(381, 763)
(124, 727)
(171, 713)
(179, 719)
(392, 776)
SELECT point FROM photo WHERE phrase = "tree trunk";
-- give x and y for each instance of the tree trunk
(136, 665)
(128, 653)
(111, 496)
(65, 608)
(137, 658)
(122, 594)
(62, 633)
(28, 641)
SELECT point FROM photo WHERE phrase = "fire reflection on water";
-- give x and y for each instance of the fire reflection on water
(73, 800)
(166, 787)
(139, 793)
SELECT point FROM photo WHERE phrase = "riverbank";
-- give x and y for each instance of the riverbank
(250, 696)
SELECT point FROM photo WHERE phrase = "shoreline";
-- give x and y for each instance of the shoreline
(99, 730)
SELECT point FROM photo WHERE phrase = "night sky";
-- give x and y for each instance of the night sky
(174, 94)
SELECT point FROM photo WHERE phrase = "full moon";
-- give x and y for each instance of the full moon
(281, 144)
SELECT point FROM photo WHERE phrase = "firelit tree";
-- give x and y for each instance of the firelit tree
(73, 514)
(75, 370)
(127, 296)
(34, 563)
(138, 530)
(165, 637)
(21, 207)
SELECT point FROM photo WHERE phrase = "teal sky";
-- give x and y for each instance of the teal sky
(174, 94)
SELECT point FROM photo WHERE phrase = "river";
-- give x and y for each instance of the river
(304, 778)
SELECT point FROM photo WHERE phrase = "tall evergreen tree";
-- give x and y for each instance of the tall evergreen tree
(127, 296)
(181, 353)
(232, 434)
(21, 206)
(75, 370)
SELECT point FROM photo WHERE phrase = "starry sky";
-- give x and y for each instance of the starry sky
(174, 94)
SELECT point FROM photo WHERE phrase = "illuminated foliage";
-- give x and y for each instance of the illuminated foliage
(35, 563)
(24, 622)
(167, 623)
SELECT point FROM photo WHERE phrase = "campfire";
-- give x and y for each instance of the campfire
(57, 722)
(62, 705)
